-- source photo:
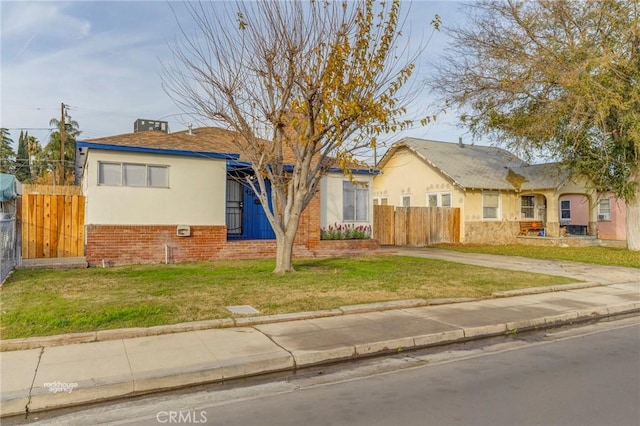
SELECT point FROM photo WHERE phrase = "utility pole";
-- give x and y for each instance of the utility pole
(63, 137)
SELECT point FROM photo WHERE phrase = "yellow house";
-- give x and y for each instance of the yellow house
(500, 196)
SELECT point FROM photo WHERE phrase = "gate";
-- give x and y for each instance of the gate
(416, 226)
(8, 247)
(52, 225)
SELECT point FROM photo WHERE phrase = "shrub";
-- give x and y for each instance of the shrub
(347, 231)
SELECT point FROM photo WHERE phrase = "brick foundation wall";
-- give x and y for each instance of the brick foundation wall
(339, 247)
(130, 244)
(133, 244)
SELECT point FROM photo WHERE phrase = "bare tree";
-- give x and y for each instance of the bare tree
(306, 86)
(558, 75)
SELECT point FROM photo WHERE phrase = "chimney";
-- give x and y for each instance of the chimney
(460, 142)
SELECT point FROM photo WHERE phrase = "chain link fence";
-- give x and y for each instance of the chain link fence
(8, 247)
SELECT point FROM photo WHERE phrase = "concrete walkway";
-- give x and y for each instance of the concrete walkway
(58, 376)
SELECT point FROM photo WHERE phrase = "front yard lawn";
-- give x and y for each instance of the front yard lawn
(595, 254)
(48, 302)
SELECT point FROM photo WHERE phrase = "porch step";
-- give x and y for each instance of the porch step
(54, 263)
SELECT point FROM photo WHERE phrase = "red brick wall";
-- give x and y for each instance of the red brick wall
(130, 244)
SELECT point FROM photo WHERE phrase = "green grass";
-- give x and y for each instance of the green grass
(595, 254)
(47, 302)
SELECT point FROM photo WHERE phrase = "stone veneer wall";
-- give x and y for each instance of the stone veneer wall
(498, 232)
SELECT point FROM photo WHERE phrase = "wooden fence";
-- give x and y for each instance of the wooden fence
(52, 225)
(416, 226)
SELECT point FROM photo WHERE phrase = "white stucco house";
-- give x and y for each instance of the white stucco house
(154, 196)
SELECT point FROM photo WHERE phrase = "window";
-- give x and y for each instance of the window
(110, 174)
(355, 202)
(604, 209)
(490, 205)
(528, 203)
(439, 200)
(134, 175)
(158, 176)
(565, 209)
(380, 201)
(406, 201)
(129, 174)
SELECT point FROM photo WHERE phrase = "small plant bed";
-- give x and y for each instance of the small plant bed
(48, 302)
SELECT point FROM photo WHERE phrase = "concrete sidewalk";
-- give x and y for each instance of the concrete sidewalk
(59, 376)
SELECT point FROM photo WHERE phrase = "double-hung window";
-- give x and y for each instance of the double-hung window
(490, 205)
(439, 199)
(527, 206)
(133, 174)
(565, 210)
(604, 209)
(355, 201)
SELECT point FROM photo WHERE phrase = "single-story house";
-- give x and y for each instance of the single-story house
(500, 196)
(610, 213)
(154, 196)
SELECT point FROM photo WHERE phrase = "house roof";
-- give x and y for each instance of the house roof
(542, 176)
(480, 167)
(198, 141)
(212, 142)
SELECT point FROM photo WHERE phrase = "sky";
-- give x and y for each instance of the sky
(103, 60)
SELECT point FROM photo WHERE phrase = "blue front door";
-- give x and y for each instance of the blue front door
(246, 219)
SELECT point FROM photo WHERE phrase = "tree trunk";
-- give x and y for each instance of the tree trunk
(633, 223)
(284, 254)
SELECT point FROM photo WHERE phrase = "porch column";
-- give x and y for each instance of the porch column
(552, 226)
(592, 229)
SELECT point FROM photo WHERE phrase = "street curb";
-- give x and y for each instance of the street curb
(128, 333)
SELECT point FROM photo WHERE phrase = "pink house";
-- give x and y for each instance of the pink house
(574, 215)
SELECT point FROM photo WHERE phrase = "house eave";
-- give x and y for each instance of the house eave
(139, 149)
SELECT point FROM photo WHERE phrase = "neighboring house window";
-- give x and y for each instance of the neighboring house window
(528, 203)
(406, 201)
(490, 205)
(355, 202)
(439, 199)
(604, 209)
(380, 201)
(565, 210)
(129, 174)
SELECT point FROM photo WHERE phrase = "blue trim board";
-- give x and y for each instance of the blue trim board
(234, 165)
(110, 147)
(232, 162)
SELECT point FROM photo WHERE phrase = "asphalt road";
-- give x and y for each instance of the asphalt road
(589, 380)
(582, 376)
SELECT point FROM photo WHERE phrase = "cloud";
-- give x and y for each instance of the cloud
(50, 19)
